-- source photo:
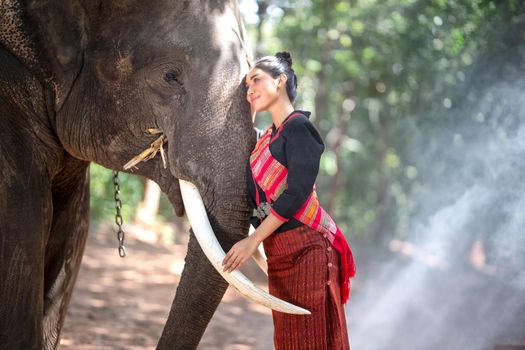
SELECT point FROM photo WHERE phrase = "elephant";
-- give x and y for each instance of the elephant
(83, 81)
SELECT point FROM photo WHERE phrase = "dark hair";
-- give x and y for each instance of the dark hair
(279, 64)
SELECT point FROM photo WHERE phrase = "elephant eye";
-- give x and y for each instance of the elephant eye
(172, 77)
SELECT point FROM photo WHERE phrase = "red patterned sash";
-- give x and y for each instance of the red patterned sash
(272, 176)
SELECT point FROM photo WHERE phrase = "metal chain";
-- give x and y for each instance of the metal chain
(118, 215)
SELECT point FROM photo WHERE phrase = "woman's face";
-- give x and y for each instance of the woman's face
(262, 89)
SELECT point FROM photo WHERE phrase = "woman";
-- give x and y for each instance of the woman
(309, 260)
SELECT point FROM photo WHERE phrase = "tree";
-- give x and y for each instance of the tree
(381, 77)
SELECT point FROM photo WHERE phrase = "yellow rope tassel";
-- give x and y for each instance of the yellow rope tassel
(150, 152)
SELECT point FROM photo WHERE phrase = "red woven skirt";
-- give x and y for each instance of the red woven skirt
(303, 269)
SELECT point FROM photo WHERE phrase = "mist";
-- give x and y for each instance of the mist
(457, 280)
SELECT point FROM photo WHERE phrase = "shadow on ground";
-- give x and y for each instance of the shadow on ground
(123, 303)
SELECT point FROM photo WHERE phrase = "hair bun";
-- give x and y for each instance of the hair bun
(284, 56)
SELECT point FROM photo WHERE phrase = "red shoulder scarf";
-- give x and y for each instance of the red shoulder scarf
(271, 176)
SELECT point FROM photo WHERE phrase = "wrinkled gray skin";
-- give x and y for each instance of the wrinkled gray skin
(82, 81)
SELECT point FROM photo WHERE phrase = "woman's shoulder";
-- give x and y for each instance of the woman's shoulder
(301, 126)
(299, 118)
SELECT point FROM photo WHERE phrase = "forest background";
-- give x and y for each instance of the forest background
(421, 105)
(400, 90)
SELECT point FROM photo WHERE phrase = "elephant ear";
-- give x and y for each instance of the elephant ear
(14, 33)
(48, 37)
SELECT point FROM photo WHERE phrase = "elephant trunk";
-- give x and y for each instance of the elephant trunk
(199, 293)
(211, 150)
(201, 287)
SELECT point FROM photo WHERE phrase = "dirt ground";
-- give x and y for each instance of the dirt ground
(123, 303)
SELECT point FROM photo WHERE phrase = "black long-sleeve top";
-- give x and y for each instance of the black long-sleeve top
(298, 147)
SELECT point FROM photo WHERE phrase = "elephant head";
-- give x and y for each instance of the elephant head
(105, 73)
(121, 68)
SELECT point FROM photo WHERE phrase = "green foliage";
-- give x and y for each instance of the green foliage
(102, 194)
(400, 90)
(383, 79)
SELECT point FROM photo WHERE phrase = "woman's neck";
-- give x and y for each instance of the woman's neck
(280, 111)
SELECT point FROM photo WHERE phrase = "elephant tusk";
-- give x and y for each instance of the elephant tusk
(212, 249)
(259, 256)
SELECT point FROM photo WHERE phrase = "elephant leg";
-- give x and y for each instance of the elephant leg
(25, 220)
(21, 301)
(64, 251)
(200, 291)
(42, 235)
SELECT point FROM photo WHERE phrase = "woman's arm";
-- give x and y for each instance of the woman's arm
(303, 150)
(244, 249)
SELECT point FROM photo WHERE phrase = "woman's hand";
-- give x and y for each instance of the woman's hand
(239, 253)
(242, 250)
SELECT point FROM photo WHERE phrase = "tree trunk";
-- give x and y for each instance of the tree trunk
(381, 188)
(335, 186)
(260, 48)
